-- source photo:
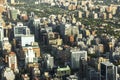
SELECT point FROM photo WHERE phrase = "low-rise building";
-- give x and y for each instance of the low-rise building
(63, 71)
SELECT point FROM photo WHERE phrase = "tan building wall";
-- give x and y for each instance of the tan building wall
(2, 1)
(37, 51)
(101, 59)
(1, 9)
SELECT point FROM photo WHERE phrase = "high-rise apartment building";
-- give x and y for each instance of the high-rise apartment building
(1, 32)
(75, 58)
(108, 71)
(49, 61)
(12, 61)
(21, 30)
(83, 68)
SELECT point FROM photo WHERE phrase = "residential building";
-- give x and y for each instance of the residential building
(72, 77)
(76, 56)
(36, 28)
(35, 48)
(11, 1)
(3, 1)
(27, 40)
(65, 29)
(1, 32)
(93, 74)
(21, 30)
(108, 71)
(83, 68)
(13, 14)
(6, 45)
(8, 74)
(12, 61)
(30, 56)
(49, 61)
(63, 71)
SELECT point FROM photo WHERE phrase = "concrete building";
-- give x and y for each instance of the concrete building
(3, 1)
(30, 56)
(100, 48)
(59, 41)
(102, 9)
(83, 68)
(87, 14)
(95, 16)
(72, 77)
(110, 16)
(79, 14)
(2, 7)
(46, 1)
(63, 71)
(48, 29)
(36, 28)
(21, 30)
(75, 30)
(49, 61)
(6, 45)
(12, 62)
(35, 72)
(27, 40)
(11, 1)
(93, 74)
(104, 15)
(1, 32)
(51, 35)
(76, 56)
(8, 74)
(13, 14)
(108, 71)
(100, 60)
(65, 29)
(35, 48)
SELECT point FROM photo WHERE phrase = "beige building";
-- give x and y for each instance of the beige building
(12, 61)
(79, 14)
(6, 45)
(101, 59)
(12, 1)
(100, 48)
(110, 16)
(8, 74)
(114, 9)
(95, 16)
(88, 33)
(109, 9)
(2, 8)
(59, 41)
(3, 1)
(87, 14)
(104, 15)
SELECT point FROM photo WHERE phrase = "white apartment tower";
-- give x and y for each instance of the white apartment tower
(12, 61)
(75, 58)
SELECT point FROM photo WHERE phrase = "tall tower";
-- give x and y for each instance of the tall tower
(12, 61)
(76, 55)
(1, 32)
(108, 71)
(30, 56)
(83, 68)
